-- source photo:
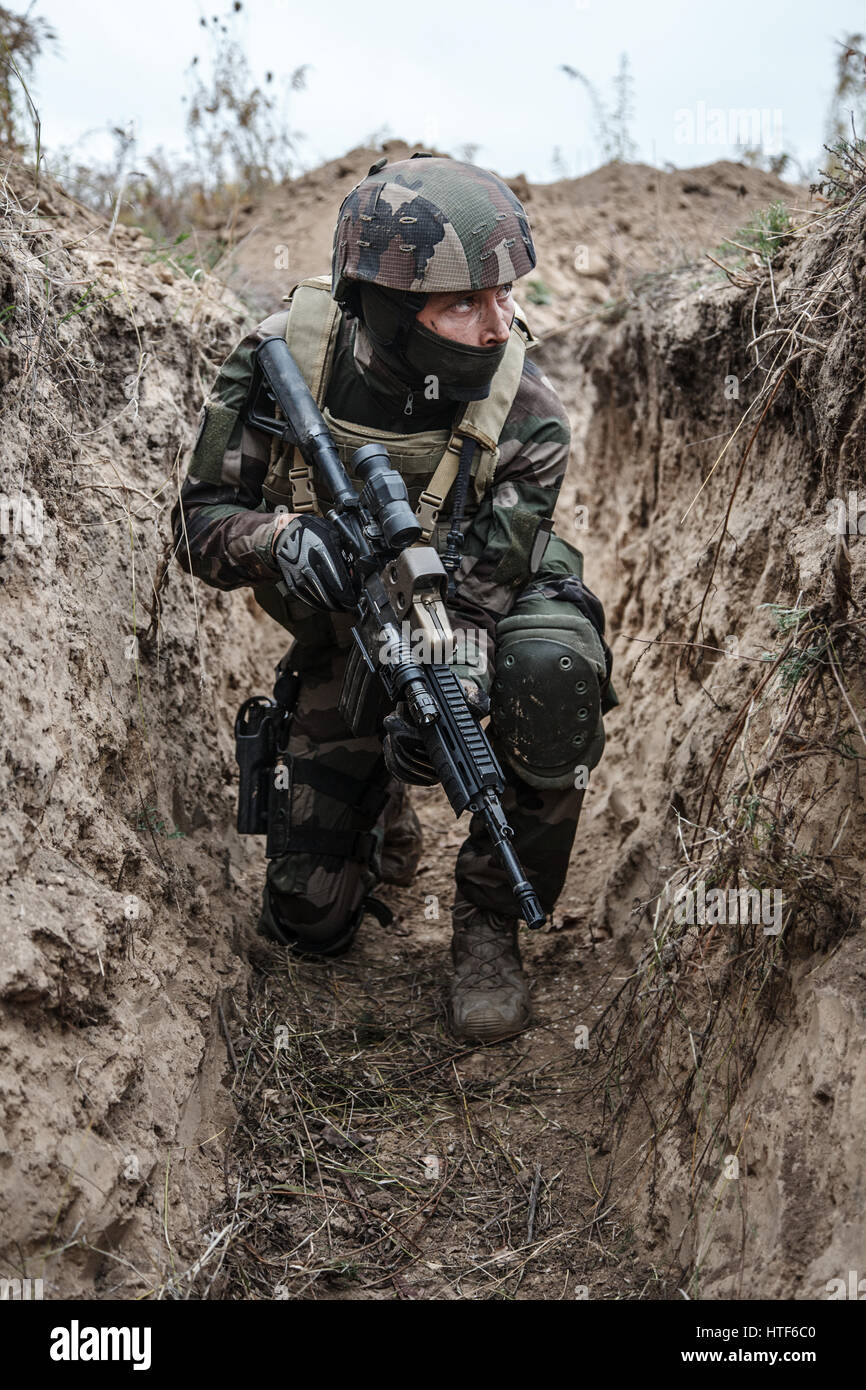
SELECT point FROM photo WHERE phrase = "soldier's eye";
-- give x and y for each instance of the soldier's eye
(505, 290)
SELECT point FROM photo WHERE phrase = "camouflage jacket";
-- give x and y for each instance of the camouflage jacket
(223, 529)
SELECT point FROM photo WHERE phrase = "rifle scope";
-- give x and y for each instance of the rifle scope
(385, 495)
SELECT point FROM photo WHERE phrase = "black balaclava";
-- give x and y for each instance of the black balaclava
(414, 354)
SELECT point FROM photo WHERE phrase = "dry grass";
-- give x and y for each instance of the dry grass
(682, 1038)
(376, 1158)
(369, 1164)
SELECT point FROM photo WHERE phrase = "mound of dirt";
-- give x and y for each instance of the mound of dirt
(595, 236)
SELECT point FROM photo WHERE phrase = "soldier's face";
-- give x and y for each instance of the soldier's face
(479, 318)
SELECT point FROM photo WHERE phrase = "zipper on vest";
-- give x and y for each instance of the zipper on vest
(407, 409)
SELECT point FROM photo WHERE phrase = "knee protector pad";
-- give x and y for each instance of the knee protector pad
(545, 704)
(308, 942)
(331, 936)
(328, 937)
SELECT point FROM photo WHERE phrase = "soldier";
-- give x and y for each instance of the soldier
(415, 340)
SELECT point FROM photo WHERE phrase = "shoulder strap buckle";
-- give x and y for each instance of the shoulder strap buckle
(304, 497)
(427, 512)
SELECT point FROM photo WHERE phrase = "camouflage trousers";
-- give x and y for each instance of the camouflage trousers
(343, 802)
(314, 898)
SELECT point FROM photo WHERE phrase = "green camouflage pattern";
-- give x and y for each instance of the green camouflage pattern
(311, 896)
(223, 529)
(502, 527)
(404, 838)
(222, 526)
(430, 225)
(314, 895)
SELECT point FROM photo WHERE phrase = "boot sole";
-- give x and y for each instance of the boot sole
(492, 1034)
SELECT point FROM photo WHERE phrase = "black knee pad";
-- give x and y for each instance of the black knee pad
(545, 704)
(331, 936)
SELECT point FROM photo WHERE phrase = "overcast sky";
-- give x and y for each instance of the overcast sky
(448, 72)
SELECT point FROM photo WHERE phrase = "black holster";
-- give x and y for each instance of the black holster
(261, 738)
(269, 774)
(254, 750)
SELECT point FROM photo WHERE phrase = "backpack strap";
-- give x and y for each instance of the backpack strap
(311, 336)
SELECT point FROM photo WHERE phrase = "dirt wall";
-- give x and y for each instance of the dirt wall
(128, 901)
(733, 708)
(122, 883)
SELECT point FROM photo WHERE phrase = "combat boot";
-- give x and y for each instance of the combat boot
(489, 993)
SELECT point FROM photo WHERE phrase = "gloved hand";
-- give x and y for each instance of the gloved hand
(405, 754)
(308, 553)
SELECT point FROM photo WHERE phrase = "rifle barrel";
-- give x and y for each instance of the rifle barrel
(293, 395)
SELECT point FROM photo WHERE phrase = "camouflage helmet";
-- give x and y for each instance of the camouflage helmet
(428, 224)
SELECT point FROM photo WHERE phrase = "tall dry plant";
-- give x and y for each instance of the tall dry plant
(23, 37)
(239, 131)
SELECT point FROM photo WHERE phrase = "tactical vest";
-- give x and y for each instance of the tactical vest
(428, 461)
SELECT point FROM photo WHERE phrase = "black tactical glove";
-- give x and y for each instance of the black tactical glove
(405, 754)
(308, 553)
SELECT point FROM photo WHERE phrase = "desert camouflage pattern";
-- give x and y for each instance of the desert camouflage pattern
(428, 225)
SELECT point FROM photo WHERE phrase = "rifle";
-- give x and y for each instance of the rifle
(400, 585)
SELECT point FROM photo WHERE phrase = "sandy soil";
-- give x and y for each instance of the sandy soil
(185, 1110)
